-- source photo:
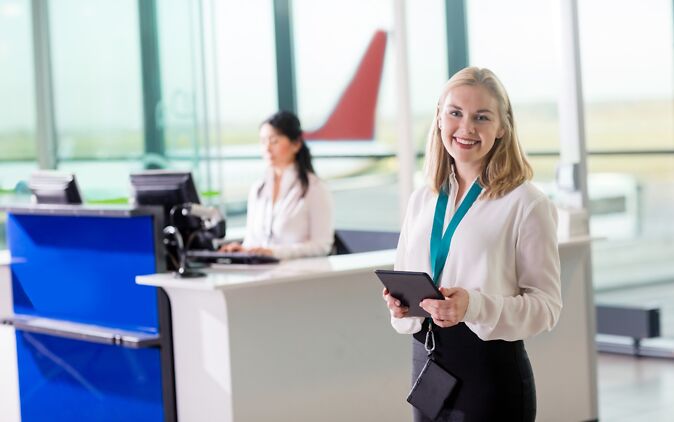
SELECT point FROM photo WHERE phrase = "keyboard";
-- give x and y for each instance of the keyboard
(229, 257)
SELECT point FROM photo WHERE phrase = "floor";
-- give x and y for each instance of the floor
(635, 389)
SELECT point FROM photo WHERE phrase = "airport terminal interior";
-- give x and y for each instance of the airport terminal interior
(99, 96)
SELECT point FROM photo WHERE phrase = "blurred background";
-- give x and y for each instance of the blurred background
(102, 88)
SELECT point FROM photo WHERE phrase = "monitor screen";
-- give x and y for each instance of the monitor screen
(163, 187)
(54, 187)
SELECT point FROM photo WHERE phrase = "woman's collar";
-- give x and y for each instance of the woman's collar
(286, 173)
(452, 180)
(288, 178)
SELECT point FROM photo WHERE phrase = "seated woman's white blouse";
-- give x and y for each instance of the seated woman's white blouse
(504, 253)
(294, 226)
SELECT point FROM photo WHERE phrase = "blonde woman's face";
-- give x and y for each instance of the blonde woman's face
(277, 149)
(469, 124)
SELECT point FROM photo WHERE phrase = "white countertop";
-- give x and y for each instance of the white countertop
(575, 241)
(219, 277)
(233, 276)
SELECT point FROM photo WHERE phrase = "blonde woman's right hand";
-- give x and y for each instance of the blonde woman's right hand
(397, 311)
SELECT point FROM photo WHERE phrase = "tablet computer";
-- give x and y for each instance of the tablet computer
(410, 288)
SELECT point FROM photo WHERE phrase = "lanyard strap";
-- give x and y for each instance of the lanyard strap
(440, 243)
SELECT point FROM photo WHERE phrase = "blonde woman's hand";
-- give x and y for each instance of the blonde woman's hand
(451, 310)
(394, 305)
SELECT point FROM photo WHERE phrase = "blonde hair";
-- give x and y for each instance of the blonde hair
(505, 165)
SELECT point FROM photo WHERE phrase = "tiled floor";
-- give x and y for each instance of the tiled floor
(635, 389)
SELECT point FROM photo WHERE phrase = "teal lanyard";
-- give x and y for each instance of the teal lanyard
(440, 243)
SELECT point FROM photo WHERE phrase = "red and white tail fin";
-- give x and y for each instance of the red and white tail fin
(353, 118)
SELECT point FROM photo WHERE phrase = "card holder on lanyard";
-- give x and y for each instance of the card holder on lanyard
(434, 384)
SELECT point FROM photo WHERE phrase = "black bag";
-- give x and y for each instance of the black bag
(433, 385)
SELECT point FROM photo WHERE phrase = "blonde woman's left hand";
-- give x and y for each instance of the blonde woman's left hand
(451, 310)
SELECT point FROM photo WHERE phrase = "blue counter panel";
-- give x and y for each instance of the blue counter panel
(70, 380)
(83, 269)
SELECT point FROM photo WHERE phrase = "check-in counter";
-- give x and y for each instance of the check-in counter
(307, 340)
(87, 342)
(310, 339)
(565, 360)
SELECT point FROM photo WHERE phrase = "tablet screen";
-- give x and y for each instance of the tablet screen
(410, 288)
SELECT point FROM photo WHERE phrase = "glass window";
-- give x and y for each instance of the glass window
(245, 77)
(327, 55)
(627, 75)
(427, 54)
(95, 47)
(181, 36)
(326, 59)
(17, 102)
(216, 90)
(98, 92)
(207, 54)
(247, 70)
(627, 78)
(518, 40)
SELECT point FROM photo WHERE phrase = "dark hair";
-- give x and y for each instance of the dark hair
(287, 123)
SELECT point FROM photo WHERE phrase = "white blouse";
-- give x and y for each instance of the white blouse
(504, 253)
(294, 226)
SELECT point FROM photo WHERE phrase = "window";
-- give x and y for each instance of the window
(17, 102)
(427, 54)
(326, 59)
(518, 40)
(216, 90)
(97, 92)
(627, 78)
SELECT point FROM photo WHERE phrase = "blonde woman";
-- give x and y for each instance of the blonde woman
(500, 276)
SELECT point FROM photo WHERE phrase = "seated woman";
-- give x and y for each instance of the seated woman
(290, 209)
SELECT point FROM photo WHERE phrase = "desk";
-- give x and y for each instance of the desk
(249, 343)
(304, 340)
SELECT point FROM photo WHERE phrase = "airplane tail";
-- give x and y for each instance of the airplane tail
(353, 118)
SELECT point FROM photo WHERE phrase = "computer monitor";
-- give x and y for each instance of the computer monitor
(169, 189)
(164, 187)
(54, 187)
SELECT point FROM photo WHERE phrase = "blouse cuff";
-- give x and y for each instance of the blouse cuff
(474, 306)
(407, 325)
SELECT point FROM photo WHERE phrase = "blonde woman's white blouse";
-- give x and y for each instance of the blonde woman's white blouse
(504, 253)
(294, 226)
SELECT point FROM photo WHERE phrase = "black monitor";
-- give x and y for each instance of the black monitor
(172, 189)
(54, 187)
(167, 188)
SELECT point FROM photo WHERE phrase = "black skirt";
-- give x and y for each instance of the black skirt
(496, 382)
